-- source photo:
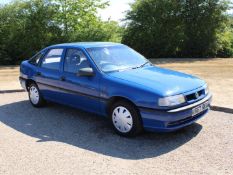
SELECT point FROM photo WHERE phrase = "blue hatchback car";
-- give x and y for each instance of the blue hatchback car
(115, 81)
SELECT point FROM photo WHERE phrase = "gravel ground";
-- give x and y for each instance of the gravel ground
(61, 140)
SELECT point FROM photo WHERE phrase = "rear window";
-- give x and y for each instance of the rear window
(52, 59)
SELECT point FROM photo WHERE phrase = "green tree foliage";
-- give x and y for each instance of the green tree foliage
(26, 27)
(154, 27)
(203, 20)
(225, 40)
(30, 25)
(183, 28)
(78, 17)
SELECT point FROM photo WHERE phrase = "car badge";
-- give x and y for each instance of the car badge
(196, 95)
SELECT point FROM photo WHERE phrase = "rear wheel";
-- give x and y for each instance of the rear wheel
(126, 119)
(35, 96)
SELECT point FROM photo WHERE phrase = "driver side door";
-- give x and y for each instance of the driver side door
(79, 91)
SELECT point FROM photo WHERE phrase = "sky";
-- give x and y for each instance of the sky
(115, 11)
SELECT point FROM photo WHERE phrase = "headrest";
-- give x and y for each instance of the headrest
(75, 57)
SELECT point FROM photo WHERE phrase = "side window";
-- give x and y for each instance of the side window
(35, 59)
(52, 59)
(75, 60)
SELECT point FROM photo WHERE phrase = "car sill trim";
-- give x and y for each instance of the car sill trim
(72, 91)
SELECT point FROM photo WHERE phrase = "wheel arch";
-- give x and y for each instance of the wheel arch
(115, 99)
(28, 82)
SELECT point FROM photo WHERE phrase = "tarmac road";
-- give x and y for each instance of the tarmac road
(61, 140)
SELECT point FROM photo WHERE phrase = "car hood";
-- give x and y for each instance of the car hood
(162, 81)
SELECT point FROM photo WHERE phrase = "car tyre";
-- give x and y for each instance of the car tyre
(35, 96)
(126, 119)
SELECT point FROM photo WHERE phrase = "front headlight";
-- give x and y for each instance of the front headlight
(206, 90)
(172, 100)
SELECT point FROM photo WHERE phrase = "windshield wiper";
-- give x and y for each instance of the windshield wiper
(119, 70)
(144, 64)
(141, 65)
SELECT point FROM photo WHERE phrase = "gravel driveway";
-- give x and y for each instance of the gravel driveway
(61, 140)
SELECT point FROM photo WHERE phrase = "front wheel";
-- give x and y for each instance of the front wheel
(35, 96)
(126, 119)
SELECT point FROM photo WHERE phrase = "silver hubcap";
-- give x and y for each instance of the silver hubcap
(34, 95)
(122, 119)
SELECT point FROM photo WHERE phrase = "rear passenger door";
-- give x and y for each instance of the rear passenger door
(49, 73)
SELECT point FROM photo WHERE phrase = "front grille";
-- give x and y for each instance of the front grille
(195, 96)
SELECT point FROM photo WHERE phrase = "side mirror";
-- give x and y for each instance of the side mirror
(86, 72)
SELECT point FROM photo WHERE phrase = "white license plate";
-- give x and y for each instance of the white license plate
(200, 108)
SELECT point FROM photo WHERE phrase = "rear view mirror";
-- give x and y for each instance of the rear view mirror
(86, 72)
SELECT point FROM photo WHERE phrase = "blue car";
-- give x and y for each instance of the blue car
(113, 80)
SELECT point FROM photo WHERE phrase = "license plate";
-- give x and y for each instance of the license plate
(200, 108)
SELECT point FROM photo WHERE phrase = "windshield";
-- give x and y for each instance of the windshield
(116, 58)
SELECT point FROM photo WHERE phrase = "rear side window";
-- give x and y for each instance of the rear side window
(35, 59)
(52, 59)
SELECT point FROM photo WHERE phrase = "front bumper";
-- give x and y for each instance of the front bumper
(171, 120)
(23, 83)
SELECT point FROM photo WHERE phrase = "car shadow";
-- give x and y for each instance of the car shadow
(88, 131)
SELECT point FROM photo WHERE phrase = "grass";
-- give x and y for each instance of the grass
(217, 72)
(9, 76)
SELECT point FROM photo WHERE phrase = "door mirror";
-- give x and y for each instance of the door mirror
(86, 72)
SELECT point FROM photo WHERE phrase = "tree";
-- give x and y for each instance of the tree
(28, 26)
(78, 16)
(171, 28)
(203, 21)
(154, 27)
(225, 39)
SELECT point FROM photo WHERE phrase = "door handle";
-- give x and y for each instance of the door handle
(38, 73)
(62, 78)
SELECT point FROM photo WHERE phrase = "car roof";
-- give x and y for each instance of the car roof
(86, 44)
